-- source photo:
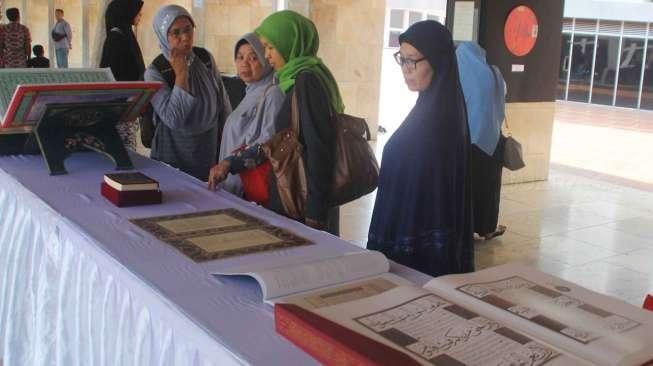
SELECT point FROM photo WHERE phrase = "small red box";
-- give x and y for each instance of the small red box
(130, 198)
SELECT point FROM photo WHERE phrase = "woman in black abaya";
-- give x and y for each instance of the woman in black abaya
(422, 215)
(122, 53)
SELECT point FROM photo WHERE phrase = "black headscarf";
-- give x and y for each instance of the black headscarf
(422, 214)
(121, 51)
(121, 14)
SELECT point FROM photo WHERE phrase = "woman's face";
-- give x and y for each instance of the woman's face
(137, 18)
(247, 64)
(272, 55)
(180, 35)
(417, 77)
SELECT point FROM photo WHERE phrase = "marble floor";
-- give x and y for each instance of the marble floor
(589, 224)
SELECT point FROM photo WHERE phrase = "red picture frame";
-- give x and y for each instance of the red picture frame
(28, 101)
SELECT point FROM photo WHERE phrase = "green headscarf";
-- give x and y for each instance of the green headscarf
(295, 38)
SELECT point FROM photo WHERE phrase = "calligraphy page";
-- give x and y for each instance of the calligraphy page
(595, 327)
(436, 331)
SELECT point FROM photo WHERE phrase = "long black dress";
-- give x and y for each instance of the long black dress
(487, 188)
(423, 213)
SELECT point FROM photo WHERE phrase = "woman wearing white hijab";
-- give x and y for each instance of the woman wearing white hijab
(252, 121)
(188, 115)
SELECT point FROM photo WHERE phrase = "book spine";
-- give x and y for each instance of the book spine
(331, 343)
(311, 340)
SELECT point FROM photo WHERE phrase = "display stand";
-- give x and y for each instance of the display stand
(65, 128)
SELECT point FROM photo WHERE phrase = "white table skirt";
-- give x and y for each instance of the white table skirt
(80, 285)
(63, 302)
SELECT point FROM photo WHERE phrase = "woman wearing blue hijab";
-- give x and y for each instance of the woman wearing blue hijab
(484, 92)
(190, 113)
(422, 214)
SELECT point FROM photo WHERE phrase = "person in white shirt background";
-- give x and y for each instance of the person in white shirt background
(62, 36)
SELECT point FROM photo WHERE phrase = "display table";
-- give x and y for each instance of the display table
(81, 285)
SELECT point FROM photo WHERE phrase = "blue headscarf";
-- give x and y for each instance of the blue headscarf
(484, 96)
(162, 22)
(422, 214)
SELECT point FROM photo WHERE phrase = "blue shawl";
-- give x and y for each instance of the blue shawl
(484, 96)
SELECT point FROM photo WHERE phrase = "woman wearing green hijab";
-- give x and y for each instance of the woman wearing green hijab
(291, 42)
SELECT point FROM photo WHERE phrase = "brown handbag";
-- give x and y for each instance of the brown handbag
(284, 151)
(356, 171)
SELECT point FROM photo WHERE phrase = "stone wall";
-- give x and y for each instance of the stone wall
(532, 125)
(351, 43)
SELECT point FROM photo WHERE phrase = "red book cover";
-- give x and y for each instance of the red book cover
(331, 343)
(130, 198)
(648, 302)
(28, 102)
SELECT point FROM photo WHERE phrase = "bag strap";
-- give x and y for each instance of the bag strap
(294, 113)
(493, 69)
(164, 68)
(204, 56)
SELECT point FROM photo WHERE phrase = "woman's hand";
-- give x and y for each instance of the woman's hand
(218, 174)
(179, 63)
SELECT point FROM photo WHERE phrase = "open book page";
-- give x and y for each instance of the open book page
(595, 327)
(295, 278)
(343, 293)
(436, 331)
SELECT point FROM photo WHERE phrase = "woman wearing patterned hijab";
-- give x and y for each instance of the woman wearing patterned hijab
(252, 121)
(422, 214)
(188, 114)
(122, 53)
(291, 42)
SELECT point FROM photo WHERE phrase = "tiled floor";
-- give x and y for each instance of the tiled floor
(592, 228)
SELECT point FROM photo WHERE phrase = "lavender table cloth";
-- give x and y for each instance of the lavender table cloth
(80, 285)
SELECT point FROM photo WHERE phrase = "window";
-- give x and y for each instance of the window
(400, 19)
(393, 39)
(614, 58)
(564, 66)
(414, 17)
(605, 70)
(647, 86)
(630, 72)
(397, 18)
(581, 68)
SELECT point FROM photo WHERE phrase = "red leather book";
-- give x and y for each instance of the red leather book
(331, 343)
(648, 302)
(130, 198)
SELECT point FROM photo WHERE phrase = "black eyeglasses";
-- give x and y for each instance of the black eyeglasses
(177, 32)
(408, 62)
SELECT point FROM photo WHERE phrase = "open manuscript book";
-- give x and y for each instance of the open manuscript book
(506, 315)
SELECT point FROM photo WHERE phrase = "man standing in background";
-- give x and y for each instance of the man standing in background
(62, 36)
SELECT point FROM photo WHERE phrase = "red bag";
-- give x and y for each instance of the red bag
(255, 183)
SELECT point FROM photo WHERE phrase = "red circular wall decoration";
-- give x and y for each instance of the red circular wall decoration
(520, 30)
